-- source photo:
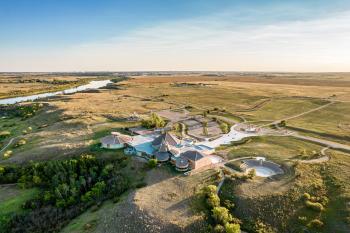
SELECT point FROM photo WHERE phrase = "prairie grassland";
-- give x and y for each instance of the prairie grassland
(332, 122)
(279, 203)
(279, 149)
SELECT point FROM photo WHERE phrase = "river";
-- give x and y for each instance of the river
(91, 85)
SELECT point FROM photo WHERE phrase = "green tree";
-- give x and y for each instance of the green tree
(224, 127)
(205, 128)
(152, 163)
(221, 215)
(232, 228)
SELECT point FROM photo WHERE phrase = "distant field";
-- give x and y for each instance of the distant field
(29, 84)
(332, 122)
(282, 108)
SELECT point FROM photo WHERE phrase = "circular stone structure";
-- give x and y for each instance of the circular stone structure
(262, 168)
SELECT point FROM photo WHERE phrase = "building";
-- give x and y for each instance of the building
(170, 139)
(196, 159)
(162, 155)
(115, 141)
(182, 164)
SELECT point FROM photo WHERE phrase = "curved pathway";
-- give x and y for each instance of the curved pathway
(8, 144)
(323, 159)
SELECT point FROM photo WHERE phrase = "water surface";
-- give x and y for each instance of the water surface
(91, 85)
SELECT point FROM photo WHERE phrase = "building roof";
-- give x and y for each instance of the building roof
(114, 139)
(193, 155)
(182, 162)
(162, 156)
(169, 138)
(163, 147)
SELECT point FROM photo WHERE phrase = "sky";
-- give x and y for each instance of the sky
(175, 35)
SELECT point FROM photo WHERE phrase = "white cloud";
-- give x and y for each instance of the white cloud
(212, 43)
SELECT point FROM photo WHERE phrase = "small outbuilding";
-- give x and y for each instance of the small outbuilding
(115, 141)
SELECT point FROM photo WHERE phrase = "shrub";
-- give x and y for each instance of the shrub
(219, 229)
(8, 154)
(152, 163)
(141, 184)
(213, 200)
(4, 134)
(316, 223)
(251, 174)
(153, 121)
(224, 127)
(221, 215)
(229, 204)
(306, 196)
(232, 228)
(314, 206)
(21, 143)
(210, 189)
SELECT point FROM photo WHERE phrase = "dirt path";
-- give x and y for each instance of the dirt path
(299, 115)
(323, 159)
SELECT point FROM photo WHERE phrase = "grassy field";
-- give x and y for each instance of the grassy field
(267, 201)
(12, 198)
(281, 108)
(332, 122)
(279, 149)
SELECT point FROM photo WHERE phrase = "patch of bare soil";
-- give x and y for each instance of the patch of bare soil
(162, 206)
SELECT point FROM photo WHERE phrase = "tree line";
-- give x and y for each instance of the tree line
(67, 188)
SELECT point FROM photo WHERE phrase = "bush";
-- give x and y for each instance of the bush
(4, 134)
(141, 184)
(251, 174)
(213, 200)
(152, 163)
(210, 189)
(221, 215)
(8, 154)
(21, 143)
(232, 228)
(316, 223)
(306, 196)
(224, 127)
(314, 206)
(154, 121)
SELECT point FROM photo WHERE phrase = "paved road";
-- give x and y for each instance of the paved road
(330, 144)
